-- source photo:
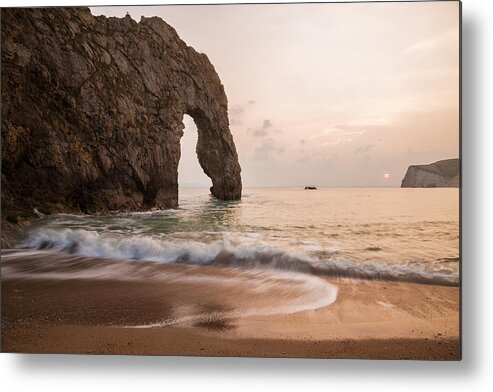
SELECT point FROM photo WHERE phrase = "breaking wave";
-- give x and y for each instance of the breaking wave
(225, 253)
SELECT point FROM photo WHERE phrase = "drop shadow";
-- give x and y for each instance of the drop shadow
(31, 364)
(471, 190)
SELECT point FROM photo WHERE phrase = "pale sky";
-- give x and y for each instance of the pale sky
(326, 94)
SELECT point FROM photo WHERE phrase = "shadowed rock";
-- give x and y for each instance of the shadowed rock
(441, 174)
(92, 112)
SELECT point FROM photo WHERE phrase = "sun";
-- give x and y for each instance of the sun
(386, 175)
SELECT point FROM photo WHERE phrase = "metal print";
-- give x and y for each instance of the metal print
(276, 180)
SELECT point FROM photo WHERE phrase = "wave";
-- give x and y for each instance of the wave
(244, 292)
(225, 253)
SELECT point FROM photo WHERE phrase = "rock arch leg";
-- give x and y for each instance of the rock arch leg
(217, 155)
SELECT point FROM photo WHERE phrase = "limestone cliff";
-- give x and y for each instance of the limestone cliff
(92, 111)
(441, 174)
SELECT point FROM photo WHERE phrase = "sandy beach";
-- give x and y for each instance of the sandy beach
(176, 309)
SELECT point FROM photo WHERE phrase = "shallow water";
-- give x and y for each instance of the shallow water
(388, 233)
(187, 294)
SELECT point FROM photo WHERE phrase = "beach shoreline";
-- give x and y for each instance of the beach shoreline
(186, 310)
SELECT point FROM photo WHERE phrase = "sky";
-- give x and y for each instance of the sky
(326, 94)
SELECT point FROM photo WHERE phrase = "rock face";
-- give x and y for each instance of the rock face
(441, 174)
(92, 111)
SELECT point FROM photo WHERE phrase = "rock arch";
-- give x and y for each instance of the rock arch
(92, 112)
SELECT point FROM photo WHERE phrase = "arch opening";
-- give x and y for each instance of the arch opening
(190, 172)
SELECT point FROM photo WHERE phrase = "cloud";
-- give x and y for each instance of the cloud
(449, 38)
(237, 112)
(356, 133)
(340, 131)
(335, 135)
(369, 122)
(363, 149)
(267, 148)
(328, 131)
(339, 140)
(262, 132)
(343, 127)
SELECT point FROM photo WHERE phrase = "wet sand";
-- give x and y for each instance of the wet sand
(58, 306)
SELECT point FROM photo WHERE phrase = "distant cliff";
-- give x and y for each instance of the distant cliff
(441, 174)
(92, 111)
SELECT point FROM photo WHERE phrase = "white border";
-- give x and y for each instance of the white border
(118, 373)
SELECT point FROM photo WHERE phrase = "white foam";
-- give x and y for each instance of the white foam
(251, 253)
(312, 293)
(293, 292)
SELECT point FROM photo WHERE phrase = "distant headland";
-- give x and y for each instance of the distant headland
(441, 174)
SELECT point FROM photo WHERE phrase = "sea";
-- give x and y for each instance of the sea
(398, 234)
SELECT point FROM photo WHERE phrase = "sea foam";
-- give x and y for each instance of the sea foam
(225, 252)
